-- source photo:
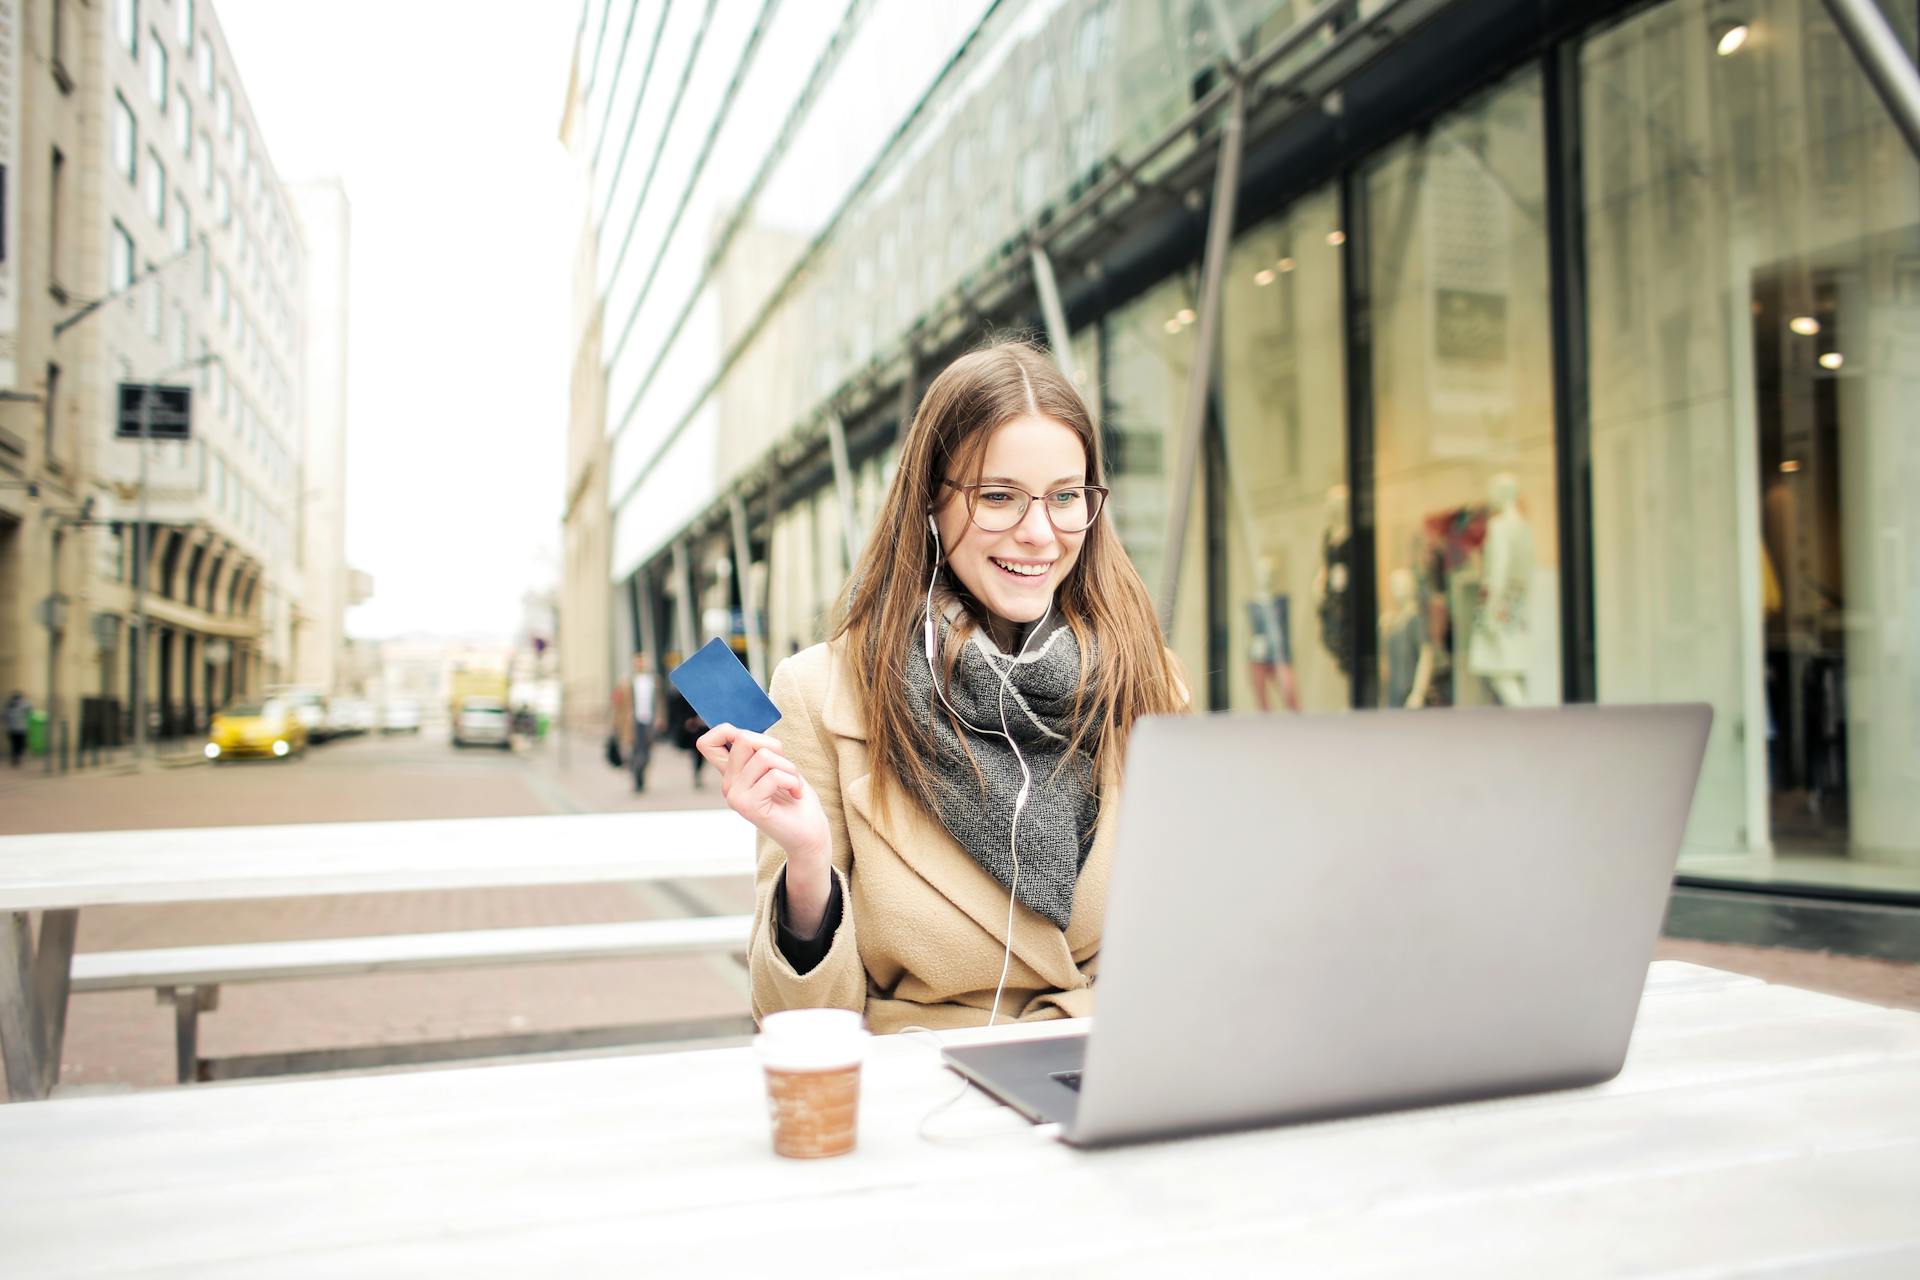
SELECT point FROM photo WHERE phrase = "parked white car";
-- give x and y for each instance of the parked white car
(402, 715)
(482, 722)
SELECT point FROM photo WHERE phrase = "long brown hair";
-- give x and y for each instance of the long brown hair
(1125, 672)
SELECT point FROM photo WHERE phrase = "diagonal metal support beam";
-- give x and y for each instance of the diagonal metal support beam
(843, 483)
(1887, 62)
(1226, 188)
(1052, 311)
(749, 597)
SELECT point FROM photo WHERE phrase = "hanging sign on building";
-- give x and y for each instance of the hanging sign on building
(9, 193)
(169, 411)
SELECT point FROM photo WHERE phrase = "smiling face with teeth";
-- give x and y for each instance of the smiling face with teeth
(1015, 573)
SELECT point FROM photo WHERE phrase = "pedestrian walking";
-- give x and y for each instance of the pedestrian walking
(646, 713)
(18, 712)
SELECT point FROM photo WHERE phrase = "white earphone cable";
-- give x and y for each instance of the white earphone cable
(1026, 775)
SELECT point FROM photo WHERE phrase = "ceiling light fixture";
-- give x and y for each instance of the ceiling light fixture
(1263, 278)
(1732, 38)
(1832, 360)
(1805, 326)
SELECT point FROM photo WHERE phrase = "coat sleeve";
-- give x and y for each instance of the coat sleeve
(839, 981)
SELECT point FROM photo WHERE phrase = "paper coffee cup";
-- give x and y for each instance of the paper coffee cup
(812, 1059)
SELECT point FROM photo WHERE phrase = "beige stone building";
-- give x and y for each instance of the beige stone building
(319, 638)
(149, 241)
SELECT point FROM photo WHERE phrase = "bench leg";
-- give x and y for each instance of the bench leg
(20, 1036)
(33, 999)
(188, 1004)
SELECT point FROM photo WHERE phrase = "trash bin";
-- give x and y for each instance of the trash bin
(37, 733)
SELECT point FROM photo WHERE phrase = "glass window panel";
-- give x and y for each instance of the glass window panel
(183, 122)
(156, 188)
(1466, 526)
(1283, 404)
(126, 25)
(1753, 240)
(125, 139)
(1149, 361)
(183, 22)
(120, 263)
(157, 70)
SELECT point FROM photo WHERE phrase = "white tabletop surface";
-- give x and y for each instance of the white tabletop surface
(1755, 1127)
(98, 868)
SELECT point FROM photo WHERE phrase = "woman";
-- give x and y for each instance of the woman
(891, 869)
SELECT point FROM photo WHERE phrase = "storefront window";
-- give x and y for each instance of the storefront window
(1466, 532)
(1149, 359)
(1283, 397)
(1753, 257)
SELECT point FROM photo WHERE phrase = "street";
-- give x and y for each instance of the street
(125, 1039)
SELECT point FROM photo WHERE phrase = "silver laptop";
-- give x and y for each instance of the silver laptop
(1314, 916)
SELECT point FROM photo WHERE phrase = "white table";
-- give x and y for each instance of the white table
(1754, 1126)
(61, 874)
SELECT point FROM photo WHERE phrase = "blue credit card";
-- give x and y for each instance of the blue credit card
(722, 691)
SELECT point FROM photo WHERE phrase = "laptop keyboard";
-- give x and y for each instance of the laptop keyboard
(1071, 1079)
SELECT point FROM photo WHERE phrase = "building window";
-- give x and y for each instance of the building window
(59, 47)
(182, 227)
(223, 109)
(157, 70)
(50, 410)
(222, 200)
(183, 123)
(156, 188)
(203, 63)
(181, 337)
(183, 18)
(125, 140)
(56, 191)
(126, 25)
(203, 161)
(222, 295)
(1283, 464)
(1750, 393)
(241, 151)
(120, 266)
(1466, 544)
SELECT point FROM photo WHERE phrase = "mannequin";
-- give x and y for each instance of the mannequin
(1270, 650)
(1332, 581)
(1501, 646)
(1403, 640)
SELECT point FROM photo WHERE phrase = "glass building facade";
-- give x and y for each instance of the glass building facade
(1564, 353)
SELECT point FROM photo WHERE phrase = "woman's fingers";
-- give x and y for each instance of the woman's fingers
(775, 784)
(722, 742)
(755, 766)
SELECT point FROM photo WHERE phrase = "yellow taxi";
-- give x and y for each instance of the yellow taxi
(269, 730)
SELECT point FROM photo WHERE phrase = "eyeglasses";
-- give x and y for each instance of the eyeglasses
(998, 507)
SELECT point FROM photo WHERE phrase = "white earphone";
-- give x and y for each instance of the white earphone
(1026, 775)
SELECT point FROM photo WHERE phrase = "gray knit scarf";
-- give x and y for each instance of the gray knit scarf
(1056, 826)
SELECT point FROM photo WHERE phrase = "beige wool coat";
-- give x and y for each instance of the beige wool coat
(923, 926)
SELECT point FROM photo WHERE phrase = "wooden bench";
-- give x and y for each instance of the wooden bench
(190, 979)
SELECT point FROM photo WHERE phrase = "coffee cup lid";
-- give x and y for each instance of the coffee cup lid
(812, 1039)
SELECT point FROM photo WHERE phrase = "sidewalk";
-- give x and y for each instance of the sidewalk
(572, 775)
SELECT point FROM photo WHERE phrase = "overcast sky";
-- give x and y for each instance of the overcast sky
(442, 120)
